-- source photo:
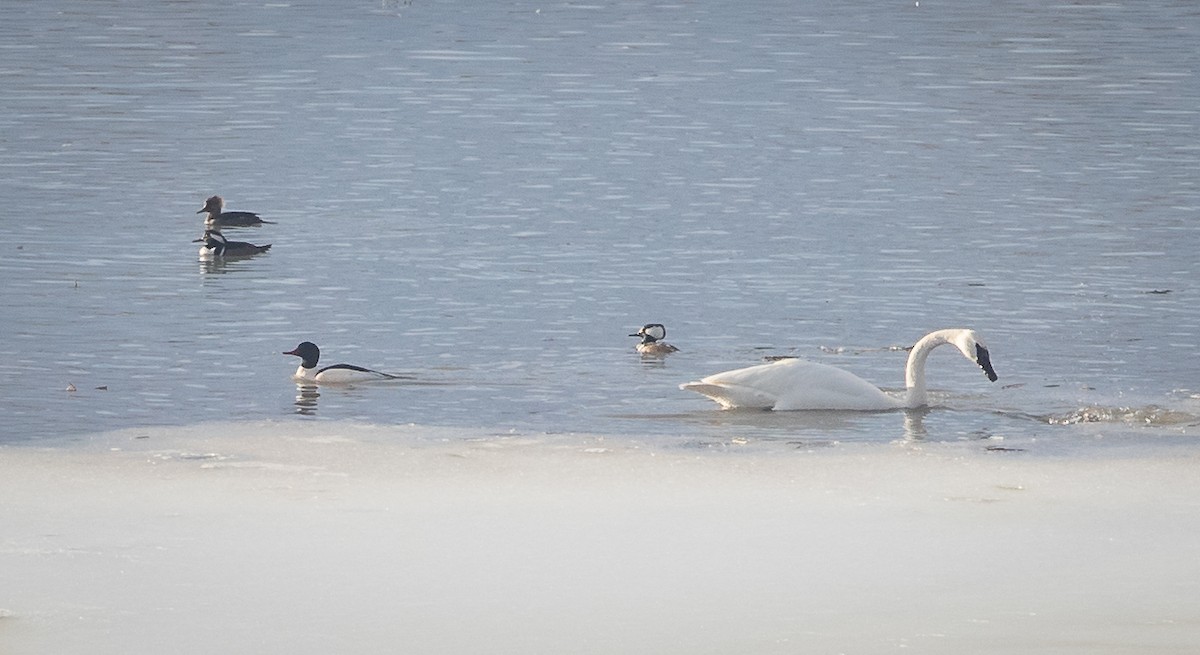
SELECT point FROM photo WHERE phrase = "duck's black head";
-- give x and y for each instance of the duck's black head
(651, 332)
(212, 239)
(307, 351)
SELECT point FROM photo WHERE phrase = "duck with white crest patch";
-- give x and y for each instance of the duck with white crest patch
(216, 246)
(218, 217)
(652, 344)
(310, 354)
(796, 384)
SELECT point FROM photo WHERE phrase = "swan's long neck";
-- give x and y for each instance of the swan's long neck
(914, 371)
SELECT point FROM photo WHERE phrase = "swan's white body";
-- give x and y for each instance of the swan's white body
(795, 384)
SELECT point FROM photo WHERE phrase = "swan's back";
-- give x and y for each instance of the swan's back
(792, 384)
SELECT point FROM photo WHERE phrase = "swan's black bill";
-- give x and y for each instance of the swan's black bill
(985, 362)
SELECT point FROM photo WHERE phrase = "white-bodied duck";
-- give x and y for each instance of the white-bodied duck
(310, 354)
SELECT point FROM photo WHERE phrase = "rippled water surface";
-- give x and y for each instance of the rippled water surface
(491, 196)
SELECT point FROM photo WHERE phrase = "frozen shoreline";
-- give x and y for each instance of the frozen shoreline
(343, 538)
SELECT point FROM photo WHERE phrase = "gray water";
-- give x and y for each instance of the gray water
(491, 196)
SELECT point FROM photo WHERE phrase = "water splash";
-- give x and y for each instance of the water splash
(1151, 415)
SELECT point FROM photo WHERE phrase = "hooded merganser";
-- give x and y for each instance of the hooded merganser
(651, 343)
(216, 246)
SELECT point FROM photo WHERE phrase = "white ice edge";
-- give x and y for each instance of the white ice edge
(343, 537)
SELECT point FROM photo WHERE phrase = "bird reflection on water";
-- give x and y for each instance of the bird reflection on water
(914, 423)
(306, 399)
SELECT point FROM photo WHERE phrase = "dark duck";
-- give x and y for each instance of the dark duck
(219, 218)
(216, 246)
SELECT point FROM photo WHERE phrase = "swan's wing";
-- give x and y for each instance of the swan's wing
(729, 397)
(792, 384)
(753, 386)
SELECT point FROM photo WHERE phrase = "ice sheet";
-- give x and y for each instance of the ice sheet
(334, 537)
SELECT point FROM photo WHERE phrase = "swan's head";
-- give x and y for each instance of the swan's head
(971, 346)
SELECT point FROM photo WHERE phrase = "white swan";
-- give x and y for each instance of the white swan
(791, 384)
